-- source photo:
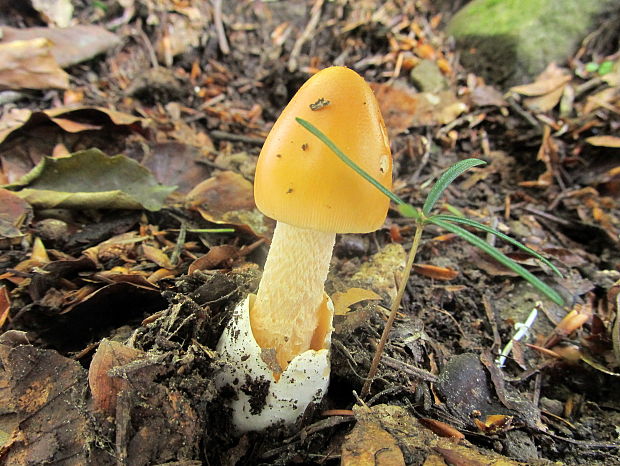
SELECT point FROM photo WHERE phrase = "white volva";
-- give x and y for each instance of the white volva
(260, 400)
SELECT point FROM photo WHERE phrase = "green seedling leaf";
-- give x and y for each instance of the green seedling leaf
(407, 210)
(89, 179)
(445, 179)
(500, 257)
(342, 156)
(606, 67)
(508, 239)
(591, 67)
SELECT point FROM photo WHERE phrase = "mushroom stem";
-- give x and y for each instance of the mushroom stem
(286, 312)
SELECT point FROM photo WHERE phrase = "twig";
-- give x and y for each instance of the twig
(490, 312)
(409, 369)
(310, 27)
(219, 27)
(393, 311)
(526, 116)
(226, 136)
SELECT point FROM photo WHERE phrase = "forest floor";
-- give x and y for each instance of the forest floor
(100, 256)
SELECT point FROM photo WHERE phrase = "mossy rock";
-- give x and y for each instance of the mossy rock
(509, 42)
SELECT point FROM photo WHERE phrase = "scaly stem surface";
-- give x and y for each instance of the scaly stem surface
(393, 310)
(285, 314)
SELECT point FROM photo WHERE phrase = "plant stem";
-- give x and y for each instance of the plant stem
(393, 310)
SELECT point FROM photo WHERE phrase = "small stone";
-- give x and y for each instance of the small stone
(427, 77)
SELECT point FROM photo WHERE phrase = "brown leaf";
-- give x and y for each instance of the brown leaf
(343, 300)
(29, 64)
(5, 305)
(83, 118)
(545, 102)
(402, 108)
(433, 271)
(369, 443)
(548, 154)
(604, 141)
(157, 256)
(43, 403)
(228, 199)
(103, 386)
(217, 257)
(14, 213)
(54, 12)
(484, 95)
(441, 428)
(68, 45)
(548, 81)
(177, 164)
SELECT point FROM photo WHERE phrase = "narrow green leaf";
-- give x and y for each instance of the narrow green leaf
(500, 257)
(445, 179)
(341, 155)
(499, 234)
(407, 210)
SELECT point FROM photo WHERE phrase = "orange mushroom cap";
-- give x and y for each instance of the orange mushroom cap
(300, 181)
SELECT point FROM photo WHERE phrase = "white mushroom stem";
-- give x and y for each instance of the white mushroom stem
(286, 314)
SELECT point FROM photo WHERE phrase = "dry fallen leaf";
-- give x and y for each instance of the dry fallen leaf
(548, 81)
(104, 387)
(604, 141)
(54, 12)
(91, 179)
(29, 64)
(5, 305)
(343, 300)
(68, 45)
(546, 91)
(433, 271)
(157, 256)
(370, 444)
(228, 199)
(14, 213)
(548, 154)
(403, 108)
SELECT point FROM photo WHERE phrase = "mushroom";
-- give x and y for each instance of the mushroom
(313, 195)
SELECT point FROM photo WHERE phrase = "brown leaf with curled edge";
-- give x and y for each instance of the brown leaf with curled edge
(71, 119)
(103, 386)
(69, 45)
(42, 397)
(604, 141)
(547, 90)
(29, 64)
(228, 199)
(91, 179)
(433, 271)
(217, 257)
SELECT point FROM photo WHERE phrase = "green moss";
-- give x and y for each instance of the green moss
(510, 41)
